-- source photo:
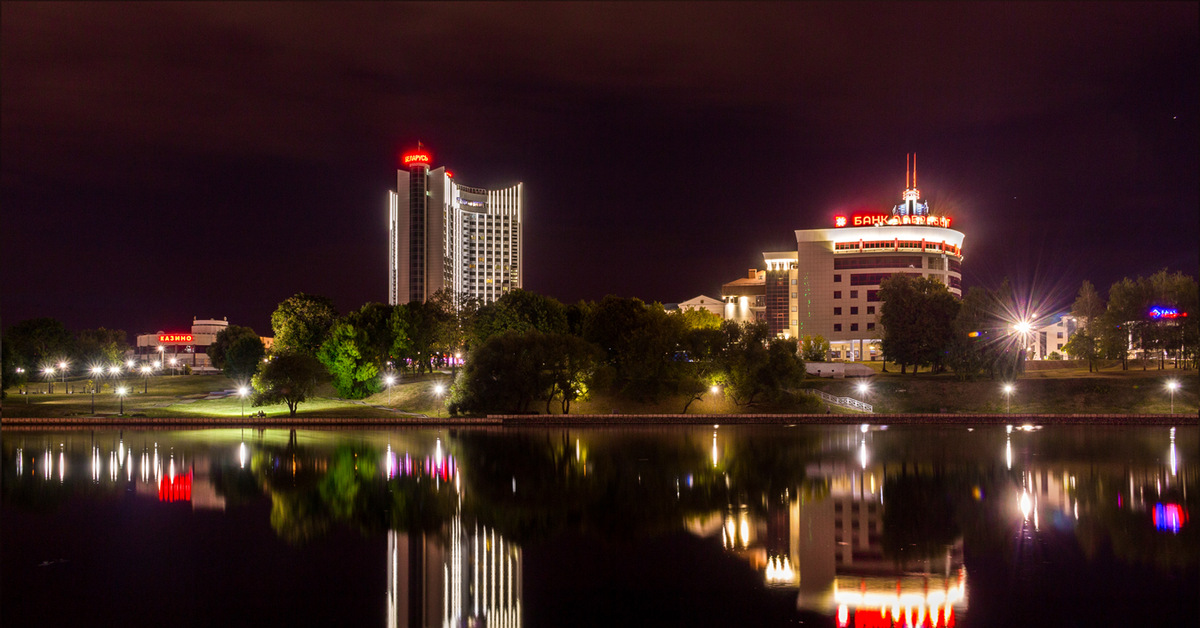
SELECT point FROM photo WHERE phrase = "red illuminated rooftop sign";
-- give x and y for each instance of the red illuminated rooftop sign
(186, 338)
(868, 220)
(417, 157)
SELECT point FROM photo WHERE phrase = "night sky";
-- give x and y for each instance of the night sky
(166, 161)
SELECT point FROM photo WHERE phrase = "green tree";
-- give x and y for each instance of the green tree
(520, 311)
(698, 318)
(814, 348)
(642, 345)
(1088, 310)
(504, 374)
(100, 346)
(288, 377)
(357, 349)
(972, 347)
(459, 319)
(917, 316)
(419, 335)
(1124, 319)
(39, 342)
(755, 369)
(237, 351)
(570, 362)
(301, 323)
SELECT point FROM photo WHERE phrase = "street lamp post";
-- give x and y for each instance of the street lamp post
(121, 395)
(242, 393)
(146, 378)
(1008, 391)
(63, 367)
(389, 380)
(97, 373)
(1172, 386)
(49, 373)
(438, 390)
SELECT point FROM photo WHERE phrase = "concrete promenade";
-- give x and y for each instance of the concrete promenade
(625, 420)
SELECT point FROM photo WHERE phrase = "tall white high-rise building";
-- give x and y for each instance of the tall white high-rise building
(445, 235)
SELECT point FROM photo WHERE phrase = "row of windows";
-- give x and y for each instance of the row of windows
(892, 261)
(853, 327)
(895, 245)
(837, 311)
(874, 279)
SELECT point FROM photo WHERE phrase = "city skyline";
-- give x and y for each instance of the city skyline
(163, 162)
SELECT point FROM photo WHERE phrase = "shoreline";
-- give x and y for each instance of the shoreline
(624, 420)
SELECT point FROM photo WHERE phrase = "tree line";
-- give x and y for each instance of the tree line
(31, 346)
(925, 326)
(527, 352)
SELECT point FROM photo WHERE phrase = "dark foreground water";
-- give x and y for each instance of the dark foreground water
(684, 526)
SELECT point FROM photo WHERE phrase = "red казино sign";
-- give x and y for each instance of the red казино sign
(162, 338)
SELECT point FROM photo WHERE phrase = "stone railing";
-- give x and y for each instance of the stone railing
(845, 402)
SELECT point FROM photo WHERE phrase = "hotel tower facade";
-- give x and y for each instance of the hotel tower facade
(829, 285)
(445, 235)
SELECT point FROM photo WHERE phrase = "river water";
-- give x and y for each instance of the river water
(673, 526)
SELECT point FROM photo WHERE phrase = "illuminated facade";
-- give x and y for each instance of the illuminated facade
(445, 235)
(186, 348)
(829, 286)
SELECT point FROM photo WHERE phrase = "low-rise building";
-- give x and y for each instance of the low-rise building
(176, 349)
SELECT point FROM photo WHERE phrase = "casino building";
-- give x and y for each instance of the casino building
(176, 349)
(829, 285)
(445, 235)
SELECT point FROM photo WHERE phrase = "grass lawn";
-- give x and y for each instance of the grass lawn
(1063, 389)
(185, 396)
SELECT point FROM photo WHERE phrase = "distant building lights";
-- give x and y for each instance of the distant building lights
(1160, 313)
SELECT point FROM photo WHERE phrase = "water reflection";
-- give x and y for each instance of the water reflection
(864, 525)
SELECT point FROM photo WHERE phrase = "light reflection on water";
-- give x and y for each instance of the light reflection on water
(804, 508)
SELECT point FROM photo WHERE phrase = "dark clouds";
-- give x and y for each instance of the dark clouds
(212, 159)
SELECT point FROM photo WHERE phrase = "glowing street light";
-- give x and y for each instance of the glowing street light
(389, 380)
(63, 367)
(121, 391)
(161, 359)
(863, 388)
(1172, 386)
(146, 377)
(174, 366)
(1008, 391)
(114, 370)
(97, 373)
(242, 393)
(49, 373)
(438, 390)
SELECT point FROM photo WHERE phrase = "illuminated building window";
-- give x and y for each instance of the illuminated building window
(875, 261)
